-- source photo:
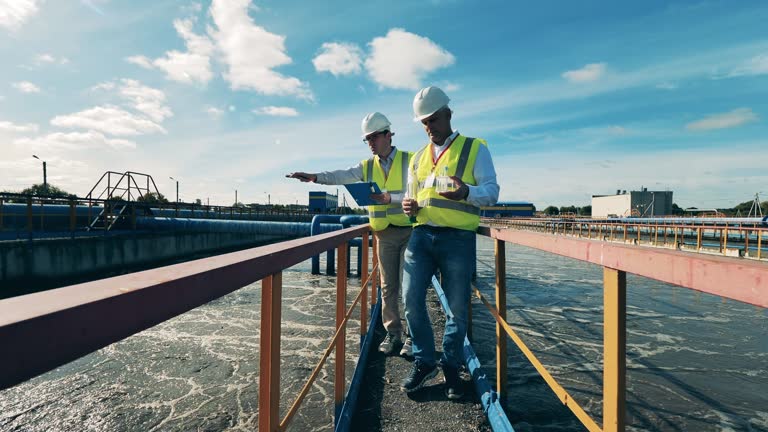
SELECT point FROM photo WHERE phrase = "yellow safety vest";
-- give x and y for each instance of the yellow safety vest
(460, 159)
(380, 216)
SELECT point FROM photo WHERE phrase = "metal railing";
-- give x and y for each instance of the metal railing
(41, 331)
(28, 214)
(742, 280)
(747, 240)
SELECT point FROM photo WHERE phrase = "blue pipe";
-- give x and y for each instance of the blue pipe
(489, 398)
(346, 222)
(285, 229)
(344, 414)
(330, 257)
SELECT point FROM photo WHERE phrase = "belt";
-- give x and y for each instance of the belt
(399, 226)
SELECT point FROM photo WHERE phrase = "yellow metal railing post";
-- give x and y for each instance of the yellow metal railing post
(339, 382)
(269, 355)
(698, 239)
(375, 280)
(614, 349)
(364, 281)
(501, 307)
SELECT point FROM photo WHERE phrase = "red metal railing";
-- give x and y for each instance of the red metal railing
(737, 279)
(41, 331)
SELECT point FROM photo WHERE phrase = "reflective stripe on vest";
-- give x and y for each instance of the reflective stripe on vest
(459, 161)
(382, 215)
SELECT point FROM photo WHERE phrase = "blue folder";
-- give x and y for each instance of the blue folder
(361, 192)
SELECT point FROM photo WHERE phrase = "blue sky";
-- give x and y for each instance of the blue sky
(574, 98)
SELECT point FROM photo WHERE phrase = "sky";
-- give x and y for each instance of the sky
(574, 98)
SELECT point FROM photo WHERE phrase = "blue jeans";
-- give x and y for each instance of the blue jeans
(453, 252)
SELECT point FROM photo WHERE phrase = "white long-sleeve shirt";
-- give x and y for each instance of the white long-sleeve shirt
(354, 174)
(486, 192)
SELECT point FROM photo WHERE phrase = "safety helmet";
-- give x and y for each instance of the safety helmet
(375, 122)
(428, 101)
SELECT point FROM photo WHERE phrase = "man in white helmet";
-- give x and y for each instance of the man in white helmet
(392, 228)
(443, 236)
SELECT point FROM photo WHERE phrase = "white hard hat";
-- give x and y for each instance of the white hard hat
(374, 122)
(428, 101)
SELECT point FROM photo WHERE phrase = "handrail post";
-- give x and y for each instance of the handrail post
(501, 307)
(614, 349)
(72, 217)
(339, 378)
(759, 234)
(29, 215)
(1, 214)
(375, 281)
(698, 239)
(269, 353)
(364, 282)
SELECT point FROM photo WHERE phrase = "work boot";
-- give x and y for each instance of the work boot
(407, 349)
(419, 375)
(454, 386)
(390, 343)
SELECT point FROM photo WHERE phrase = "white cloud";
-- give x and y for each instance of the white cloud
(402, 60)
(140, 60)
(147, 100)
(250, 52)
(191, 66)
(26, 87)
(73, 141)
(110, 120)
(46, 58)
(730, 119)
(339, 59)
(588, 73)
(13, 13)
(617, 130)
(449, 86)
(276, 111)
(757, 65)
(214, 112)
(7, 126)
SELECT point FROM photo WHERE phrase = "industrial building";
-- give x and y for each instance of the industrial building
(321, 202)
(642, 203)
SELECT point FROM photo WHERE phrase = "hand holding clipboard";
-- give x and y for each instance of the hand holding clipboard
(361, 193)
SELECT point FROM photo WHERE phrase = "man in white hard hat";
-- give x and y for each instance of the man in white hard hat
(443, 236)
(392, 228)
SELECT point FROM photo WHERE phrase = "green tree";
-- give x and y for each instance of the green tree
(585, 211)
(569, 209)
(47, 190)
(551, 211)
(153, 198)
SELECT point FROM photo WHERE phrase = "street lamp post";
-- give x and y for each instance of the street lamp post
(45, 172)
(177, 188)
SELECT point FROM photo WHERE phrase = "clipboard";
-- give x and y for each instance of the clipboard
(361, 191)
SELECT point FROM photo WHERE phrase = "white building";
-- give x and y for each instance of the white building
(642, 203)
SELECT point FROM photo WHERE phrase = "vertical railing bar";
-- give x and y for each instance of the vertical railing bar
(339, 378)
(375, 280)
(501, 307)
(269, 354)
(614, 349)
(364, 281)
(759, 239)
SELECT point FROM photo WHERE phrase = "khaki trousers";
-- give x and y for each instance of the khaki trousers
(391, 244)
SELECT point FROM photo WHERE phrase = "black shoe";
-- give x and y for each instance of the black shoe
(454, 386)
(420, 374)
